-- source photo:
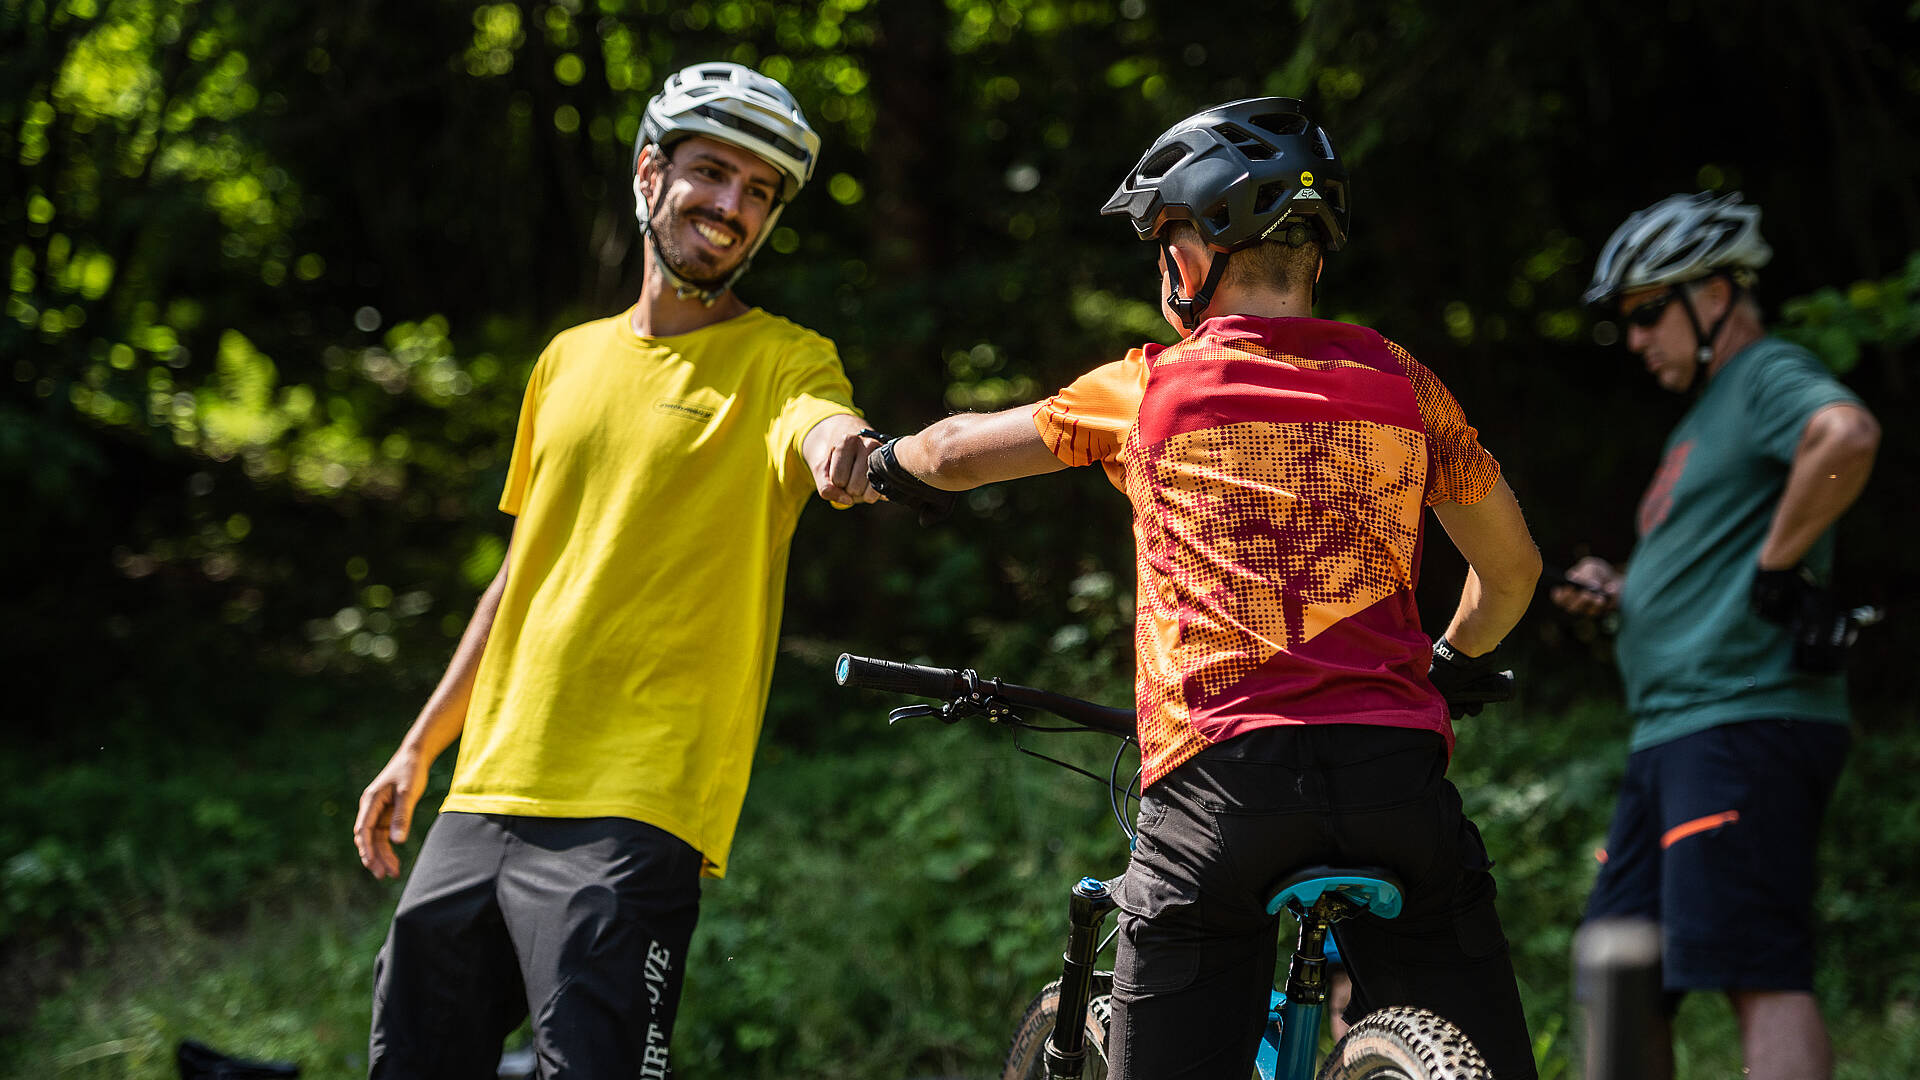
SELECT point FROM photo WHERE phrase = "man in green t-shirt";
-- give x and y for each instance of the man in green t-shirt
(609, 689)
(1740, 711)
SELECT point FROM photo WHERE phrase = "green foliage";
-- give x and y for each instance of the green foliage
(892, 904)
(1838, 325)
(275, 283)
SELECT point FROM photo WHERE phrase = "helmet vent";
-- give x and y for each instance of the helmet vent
(1320, 146)
(1162, 163)
(765, 135)
(1268, 196)
(1220, 216)
(1281, 123)
(1254, 148)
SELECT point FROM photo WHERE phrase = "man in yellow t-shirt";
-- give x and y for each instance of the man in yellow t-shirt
(608, 692)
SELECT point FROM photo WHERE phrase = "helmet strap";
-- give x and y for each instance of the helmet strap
(1190, 310)
(1704, 338)
(682, 288)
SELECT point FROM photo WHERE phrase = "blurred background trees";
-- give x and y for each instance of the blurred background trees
(277, 273)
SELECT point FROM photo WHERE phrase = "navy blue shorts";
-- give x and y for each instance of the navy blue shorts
(1713, 838)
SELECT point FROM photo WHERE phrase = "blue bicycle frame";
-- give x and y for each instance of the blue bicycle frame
(1317, 897)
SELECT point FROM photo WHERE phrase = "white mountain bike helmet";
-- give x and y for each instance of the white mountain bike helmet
(1680, 238)
(740, 107)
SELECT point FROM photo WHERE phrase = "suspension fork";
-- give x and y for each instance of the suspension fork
(1066, 1049)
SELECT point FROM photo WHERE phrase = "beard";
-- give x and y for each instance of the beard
(695, 267)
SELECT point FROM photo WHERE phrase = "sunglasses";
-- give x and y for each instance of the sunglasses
(1645, 315)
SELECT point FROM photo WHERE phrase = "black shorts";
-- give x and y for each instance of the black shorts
(1713, 838)
(583, 920)
(1198, 949)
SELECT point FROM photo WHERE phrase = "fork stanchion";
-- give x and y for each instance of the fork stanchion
(1617, 976)
(1066, 1049)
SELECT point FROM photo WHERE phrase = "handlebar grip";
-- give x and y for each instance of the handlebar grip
(861, 671)
(1494, 686)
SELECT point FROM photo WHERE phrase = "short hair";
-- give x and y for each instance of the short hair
(1276, 263)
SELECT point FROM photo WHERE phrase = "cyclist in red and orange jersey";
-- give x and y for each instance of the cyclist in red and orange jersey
(1292, 712)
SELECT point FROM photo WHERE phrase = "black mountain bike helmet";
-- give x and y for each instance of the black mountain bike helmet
(1237, 173)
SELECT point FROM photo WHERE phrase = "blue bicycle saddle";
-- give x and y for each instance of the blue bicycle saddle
(1368, 886)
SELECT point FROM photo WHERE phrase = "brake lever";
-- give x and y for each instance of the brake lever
(907, 712)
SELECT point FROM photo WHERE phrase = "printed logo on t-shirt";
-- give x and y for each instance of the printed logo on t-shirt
(1658, 501)
(698, 412)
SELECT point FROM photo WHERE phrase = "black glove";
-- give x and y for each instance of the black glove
(1822, 631)
(1778, 595)
(1467, 682)
(887, 476)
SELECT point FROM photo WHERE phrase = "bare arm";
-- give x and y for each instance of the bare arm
(1503, 567)
(1830, 467)
(836, 455)
(386, 806)
(969, 449)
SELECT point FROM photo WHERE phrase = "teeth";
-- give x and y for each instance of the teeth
(714, 236)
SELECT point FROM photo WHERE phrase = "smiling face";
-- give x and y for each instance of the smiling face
(709, 201)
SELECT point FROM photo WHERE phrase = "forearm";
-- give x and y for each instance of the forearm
(1487, 612)
(967, 450)
(1503, 566)
(1830, 469)
(444, 715)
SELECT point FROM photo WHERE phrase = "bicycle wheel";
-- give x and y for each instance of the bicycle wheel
(1027, 1057)
(1404, 1044)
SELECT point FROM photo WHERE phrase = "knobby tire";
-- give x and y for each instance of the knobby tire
(1404, 1044)
(1027, 1057)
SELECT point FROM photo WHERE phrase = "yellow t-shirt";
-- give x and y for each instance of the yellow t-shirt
(657, 482)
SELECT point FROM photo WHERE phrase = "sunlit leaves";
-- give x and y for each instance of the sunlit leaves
(845, 189)
(497, 33)
(1839, 324)
(483, 561)
(109, 73)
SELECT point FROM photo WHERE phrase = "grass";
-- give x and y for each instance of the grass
(896, 898)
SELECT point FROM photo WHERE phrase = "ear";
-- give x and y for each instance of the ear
(1713, 295)
(650, 168)
(1190, 263)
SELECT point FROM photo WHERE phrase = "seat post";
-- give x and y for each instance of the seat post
(1307, 976)
(1306, 995)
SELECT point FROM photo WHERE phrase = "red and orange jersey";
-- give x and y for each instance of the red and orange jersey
(1279, 470)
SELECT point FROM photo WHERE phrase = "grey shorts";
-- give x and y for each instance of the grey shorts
(583, 921)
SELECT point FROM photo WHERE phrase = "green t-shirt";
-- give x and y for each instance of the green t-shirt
(1691, 651)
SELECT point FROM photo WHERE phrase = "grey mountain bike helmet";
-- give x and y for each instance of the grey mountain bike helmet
(743, 108)
(1237, 173)
(1679, 239)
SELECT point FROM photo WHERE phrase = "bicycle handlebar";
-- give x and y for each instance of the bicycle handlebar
(897, 678)
(1489, 689)
(966, 685)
